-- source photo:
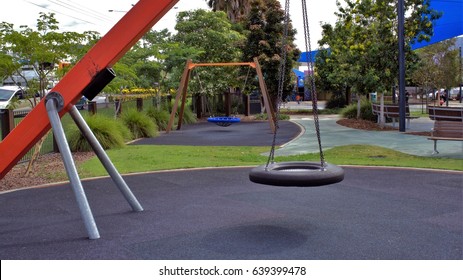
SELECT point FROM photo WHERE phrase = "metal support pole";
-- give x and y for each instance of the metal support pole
(54, 103)
(401, 35)
(101, 154)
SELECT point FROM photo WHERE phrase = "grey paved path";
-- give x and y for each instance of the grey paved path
(336, 135)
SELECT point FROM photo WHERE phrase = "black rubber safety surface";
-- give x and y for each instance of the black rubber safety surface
(239, 134)
(374, 213)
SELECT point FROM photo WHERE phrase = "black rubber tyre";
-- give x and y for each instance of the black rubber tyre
(297, 174)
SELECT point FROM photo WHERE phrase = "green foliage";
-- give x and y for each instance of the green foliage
(188, 116)
(350, 112)
(438, 65)
(235, 9)
(159, 116)
(363, 43)
(138, 158)
(41, 49)
(265, 25)
(336, 101)
(143, 65)
(14, 103)
(211, 38)
(139, 124)
(109, 132)
(282, 117)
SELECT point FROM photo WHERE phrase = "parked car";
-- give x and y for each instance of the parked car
(7, 93)
(454, 93)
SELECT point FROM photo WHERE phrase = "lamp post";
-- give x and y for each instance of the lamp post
(401, 35)
(461, 80)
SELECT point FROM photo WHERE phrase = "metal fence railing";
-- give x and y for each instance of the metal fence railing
(47, 146)
(105, 108)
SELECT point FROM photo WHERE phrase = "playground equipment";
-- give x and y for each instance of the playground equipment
(299, 173)
(182, 91)
(87, 78)
(223, 121)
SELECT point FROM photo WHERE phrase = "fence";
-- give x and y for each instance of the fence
(11, 118)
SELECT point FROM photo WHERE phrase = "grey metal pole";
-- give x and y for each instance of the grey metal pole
(101, 154)
(401, 35)
(54, 103)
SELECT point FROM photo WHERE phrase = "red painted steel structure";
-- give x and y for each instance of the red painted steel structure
(104, 54)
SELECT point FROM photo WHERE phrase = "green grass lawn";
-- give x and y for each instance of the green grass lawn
(132, 159)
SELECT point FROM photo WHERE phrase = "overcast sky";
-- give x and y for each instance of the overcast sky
(85, 15)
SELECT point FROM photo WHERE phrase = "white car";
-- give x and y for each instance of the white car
(454, 93)
(7, 93)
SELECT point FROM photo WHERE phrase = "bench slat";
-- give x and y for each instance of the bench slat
(447, 131)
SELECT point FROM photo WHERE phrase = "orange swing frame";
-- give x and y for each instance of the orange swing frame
(106, 52)
(183, 88)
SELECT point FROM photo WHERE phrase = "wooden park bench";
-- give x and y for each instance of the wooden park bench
(446, 130)
(446, 113)
(391, 111)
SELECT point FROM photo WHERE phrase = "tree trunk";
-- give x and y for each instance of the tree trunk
(35, 155)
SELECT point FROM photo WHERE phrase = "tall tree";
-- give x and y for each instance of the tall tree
(363, 43)
(42, 49)
(209, 37)
(236, 10)
(437, 66)
(265, 23)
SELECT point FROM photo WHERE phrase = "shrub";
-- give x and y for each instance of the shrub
(109, 132)
(336, 101)
(139, 124)
(350, 112)
(160, 117)
(188, 115)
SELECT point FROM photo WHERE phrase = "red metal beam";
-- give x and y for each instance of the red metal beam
(105, 53)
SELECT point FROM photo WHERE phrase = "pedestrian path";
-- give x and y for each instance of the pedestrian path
(333, 135)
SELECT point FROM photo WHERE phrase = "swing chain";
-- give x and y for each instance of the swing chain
(281, 79)
(311, 76)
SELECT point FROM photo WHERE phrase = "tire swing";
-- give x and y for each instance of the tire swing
(296, 173)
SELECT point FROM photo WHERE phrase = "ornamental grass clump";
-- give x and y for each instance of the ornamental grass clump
(159, 116)
(139, 124)
(109, 132)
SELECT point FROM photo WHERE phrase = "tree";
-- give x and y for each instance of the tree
(363, 43)
(41, 49)
(206, 37)
(265, 23)
(437, 66)
(236, 10)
